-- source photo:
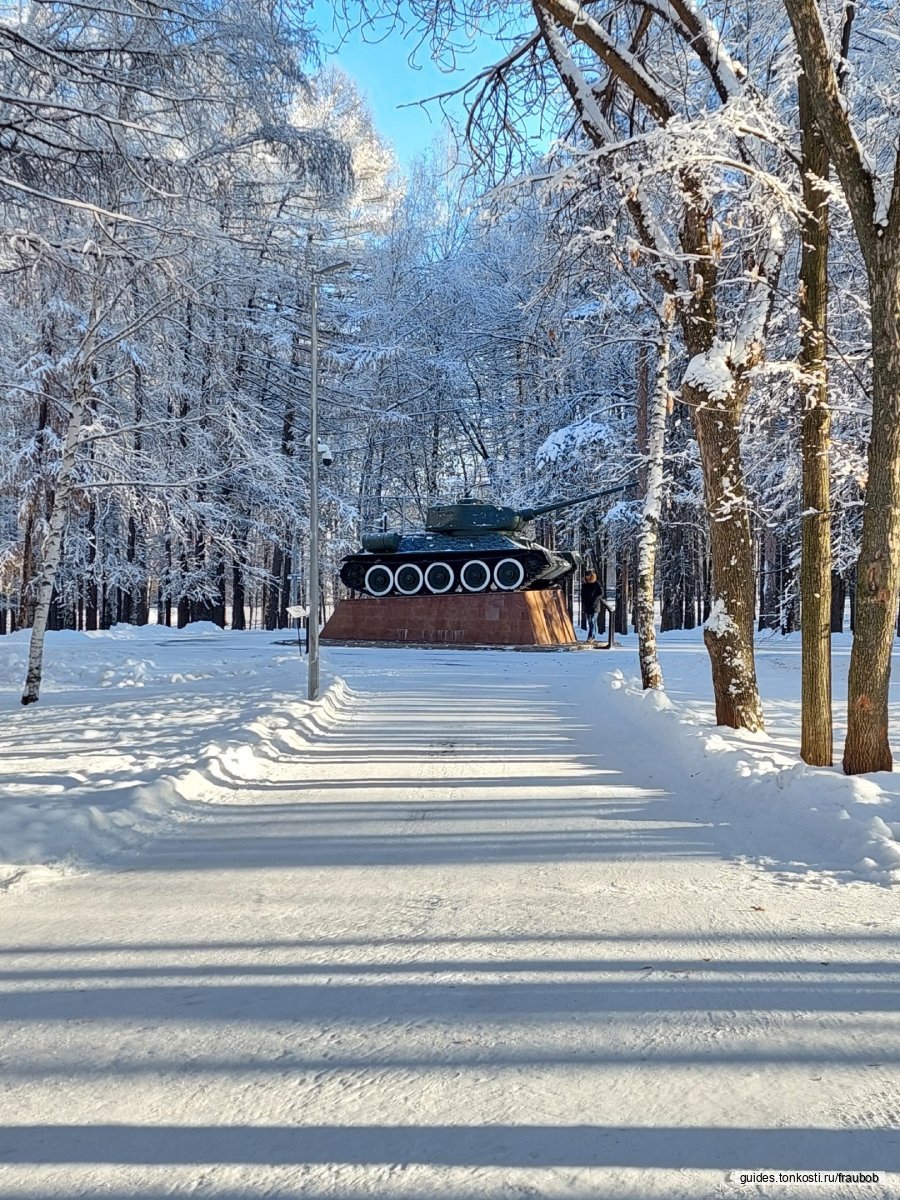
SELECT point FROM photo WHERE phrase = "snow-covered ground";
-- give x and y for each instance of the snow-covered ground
(135, 726)
(478, 924)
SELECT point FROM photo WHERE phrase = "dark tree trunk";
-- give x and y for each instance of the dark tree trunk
(838, 602)
(815, 524)
(183, 607)
(219, 608)
(284, 598)
(273, 588)
(238, 595)
(107, 607)
(27, 583)
(623, 591)
(26, 598)
(131, 602)
(770, 582)
(54, 616)
(92, 599)
(867, 747)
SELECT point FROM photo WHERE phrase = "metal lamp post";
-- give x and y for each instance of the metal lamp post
(313, 591)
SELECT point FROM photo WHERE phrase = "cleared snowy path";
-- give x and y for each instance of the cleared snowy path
(476, 941)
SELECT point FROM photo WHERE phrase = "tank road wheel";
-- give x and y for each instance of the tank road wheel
(408, 579)
(379, 580)
(508, 574)
(475, 575)
(439, 578)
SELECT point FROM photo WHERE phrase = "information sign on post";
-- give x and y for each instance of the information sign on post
(297, 613)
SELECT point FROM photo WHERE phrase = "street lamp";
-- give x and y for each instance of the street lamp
(313, 605)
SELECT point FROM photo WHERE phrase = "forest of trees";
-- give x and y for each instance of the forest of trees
(664, 247)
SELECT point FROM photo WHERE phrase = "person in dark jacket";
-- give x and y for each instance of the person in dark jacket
(591, 604)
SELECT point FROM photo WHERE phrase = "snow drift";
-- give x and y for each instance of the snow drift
(137, 729)
(850, 826)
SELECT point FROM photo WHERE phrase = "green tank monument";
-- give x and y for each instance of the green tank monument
(471, 577)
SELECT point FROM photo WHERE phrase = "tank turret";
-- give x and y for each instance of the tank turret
(470, 546)
(469, 515)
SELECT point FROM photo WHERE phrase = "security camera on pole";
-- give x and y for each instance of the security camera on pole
(317, 449)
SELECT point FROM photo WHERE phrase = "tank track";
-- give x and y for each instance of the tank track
(468, 571)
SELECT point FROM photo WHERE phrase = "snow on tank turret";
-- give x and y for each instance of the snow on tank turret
(470, 546)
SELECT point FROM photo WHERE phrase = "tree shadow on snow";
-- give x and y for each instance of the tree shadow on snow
(454, 1146)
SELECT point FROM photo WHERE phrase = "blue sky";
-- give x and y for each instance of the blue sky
(385, 75)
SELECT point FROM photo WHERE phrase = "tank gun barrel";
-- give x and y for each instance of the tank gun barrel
(528, 514)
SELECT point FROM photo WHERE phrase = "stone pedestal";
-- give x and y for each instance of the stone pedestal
(536, 618)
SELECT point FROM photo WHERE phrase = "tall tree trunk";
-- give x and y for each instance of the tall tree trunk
(876, 220)
(273, 601)
(838, 601)
(867, 747)
(815, 555)
(183, 607)
(218, 606)
(651, 671)
(53, 551)
(728, 633)
(623, 590)
(238, 593)
(107, 606)
(284, 592)
(92, 597)
(676, 601)
(164, 592)
(716, 407)
(769, 580)
(127, 594)
(139, 599)
(27, 584)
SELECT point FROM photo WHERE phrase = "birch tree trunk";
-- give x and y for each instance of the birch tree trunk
(651, 671)
(53, 549)
(815, 555)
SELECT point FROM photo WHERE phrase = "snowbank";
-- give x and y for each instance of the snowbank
(102, 658)
(92, 771)
(843, 827)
